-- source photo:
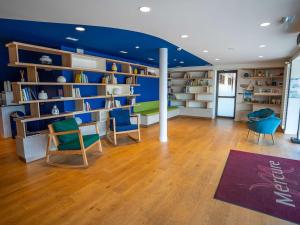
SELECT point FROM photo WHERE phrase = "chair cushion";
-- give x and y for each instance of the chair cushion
(121, 116)
(144, 106)
(75, 144)
(126, 127)
(66, 125)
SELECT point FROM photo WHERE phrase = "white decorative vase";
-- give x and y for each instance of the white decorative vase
(61, 79)
(55, 110)
(43, 95)
(117, 91)
(45, 59)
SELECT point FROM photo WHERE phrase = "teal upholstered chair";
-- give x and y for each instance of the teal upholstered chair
(263, 122)
(68, 140)
(119, 123)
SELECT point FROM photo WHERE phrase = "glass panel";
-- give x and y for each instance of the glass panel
(225, 107)
(227, 84)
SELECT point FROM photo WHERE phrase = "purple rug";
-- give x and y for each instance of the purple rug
(264, 183)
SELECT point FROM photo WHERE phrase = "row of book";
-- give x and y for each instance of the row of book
(81, 78)
(112, 103)
(76, 93)
(130, 80)
(28, 94)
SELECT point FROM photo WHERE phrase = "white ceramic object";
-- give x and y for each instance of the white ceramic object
(117, 91)
(78, 120)
(43, 95)
(45, 59)
(131, 90)
(55, 110)
(61, 79)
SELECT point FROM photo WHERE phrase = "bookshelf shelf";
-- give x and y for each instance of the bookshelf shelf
(70, 84)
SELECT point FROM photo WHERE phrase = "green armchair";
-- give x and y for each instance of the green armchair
(68, 140)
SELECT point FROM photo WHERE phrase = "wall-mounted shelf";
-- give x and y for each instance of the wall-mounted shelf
(69, 84)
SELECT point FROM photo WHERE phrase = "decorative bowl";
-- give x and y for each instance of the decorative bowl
(117, 91)
(43, 95)
(45, 59)
(61, 79)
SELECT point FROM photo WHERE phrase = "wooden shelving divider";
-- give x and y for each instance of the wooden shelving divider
(75, 62)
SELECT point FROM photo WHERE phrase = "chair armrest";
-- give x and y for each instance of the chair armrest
(65, 132)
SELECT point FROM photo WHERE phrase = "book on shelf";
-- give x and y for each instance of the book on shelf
(131, 101)
(117, 103)
(28, 94)
(81, 78)
(129, 80)
(87, 106)
(109, 104)
(76, 93)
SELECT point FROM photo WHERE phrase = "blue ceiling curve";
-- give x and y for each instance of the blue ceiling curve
(109, 41)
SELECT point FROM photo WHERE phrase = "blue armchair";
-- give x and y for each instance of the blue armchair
(119, 123)
(263, 122)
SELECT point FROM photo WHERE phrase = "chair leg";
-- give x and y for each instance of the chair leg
(99, 146)
(47, 150)
(115, 138)
(273, 139)
(248, 133)
(139, 135)
(85, 162)
(258, 139)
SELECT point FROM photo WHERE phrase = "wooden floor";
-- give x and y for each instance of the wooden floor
(146, 183)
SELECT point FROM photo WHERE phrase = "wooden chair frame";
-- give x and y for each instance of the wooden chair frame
(114, 133)
(82, 151)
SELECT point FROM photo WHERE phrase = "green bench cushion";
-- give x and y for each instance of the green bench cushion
(75, 144)
(66, 125)
(144, 106)
(155, 111)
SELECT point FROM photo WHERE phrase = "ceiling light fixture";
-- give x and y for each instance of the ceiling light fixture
(260, 56)
(179, 49)
(145, 9)
(265, 24)
(124, 52)
(174, 60)
(217, 59)
(184, 36)
(262, 46)
(205, 51)
(80, 28)
(181, 62)
(72, 39)
(151, 59)
(137, 47)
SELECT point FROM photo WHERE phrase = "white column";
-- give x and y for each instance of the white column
(163, 94)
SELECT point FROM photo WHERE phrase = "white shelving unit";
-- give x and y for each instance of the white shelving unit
(259, 88)
(193, 92)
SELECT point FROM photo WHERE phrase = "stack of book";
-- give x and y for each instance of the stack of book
(28, 94)
(81, 78)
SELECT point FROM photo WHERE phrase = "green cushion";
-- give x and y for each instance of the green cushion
(66, 125)
(155, 111)
(75, 144)
(143, 106)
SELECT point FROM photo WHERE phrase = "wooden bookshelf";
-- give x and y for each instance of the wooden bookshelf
(76, 63)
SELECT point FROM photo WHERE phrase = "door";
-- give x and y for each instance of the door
(226, 93)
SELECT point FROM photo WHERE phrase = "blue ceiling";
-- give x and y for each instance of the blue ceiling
(106, 40)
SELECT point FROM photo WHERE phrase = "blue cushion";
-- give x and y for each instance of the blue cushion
(261, 114)
(126, 127)
(122, 117)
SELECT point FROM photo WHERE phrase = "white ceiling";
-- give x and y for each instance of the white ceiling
(215, 25)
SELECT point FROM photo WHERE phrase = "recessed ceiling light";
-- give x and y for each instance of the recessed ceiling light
(72, 39)
(181, 62)
(80, 28)
(124, 52)
(174, 60)
(137, 47)
(179, 49)
(265, 24)
(262, 46)
(217, 59)
(260, 56)
(205, 51)
(145, 9)
(151, 59)
(184, 36)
